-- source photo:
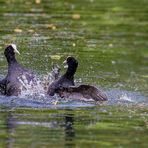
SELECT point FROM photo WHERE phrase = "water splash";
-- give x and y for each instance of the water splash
(34, 95)
(31, 88)
(116, 96)
(125, 97)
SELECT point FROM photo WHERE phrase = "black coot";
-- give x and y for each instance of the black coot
(65, 80)
(66, 88)
(17, 76)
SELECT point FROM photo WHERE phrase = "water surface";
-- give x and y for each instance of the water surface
(109, 39)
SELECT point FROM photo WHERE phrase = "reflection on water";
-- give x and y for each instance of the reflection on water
(12, 124)
(10, 128)
(82, 127)
(69, 130)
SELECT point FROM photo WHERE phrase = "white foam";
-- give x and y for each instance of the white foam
(126, 98)
(32, 88)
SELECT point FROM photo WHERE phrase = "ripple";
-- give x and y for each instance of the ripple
(115, 97)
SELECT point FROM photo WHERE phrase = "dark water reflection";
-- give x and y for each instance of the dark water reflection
(10, 129)
(12, 123)
(82, 127)
(69, 130)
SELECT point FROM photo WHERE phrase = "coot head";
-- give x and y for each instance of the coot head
(10, 51)
(72, 65)
(71, 61)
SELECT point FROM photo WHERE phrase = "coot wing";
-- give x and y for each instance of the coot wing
(83, 92)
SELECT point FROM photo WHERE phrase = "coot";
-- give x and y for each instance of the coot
(66, 88)
(65, 80)
(17, 76)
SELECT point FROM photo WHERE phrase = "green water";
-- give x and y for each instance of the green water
(87, 127)
(109, 39)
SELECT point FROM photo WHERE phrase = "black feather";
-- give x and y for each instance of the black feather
(65, 80)
(12, 84)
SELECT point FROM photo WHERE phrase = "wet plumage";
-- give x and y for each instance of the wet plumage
(17, 76)
(66, 88)
(65, 80)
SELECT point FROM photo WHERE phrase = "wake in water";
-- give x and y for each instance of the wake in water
(35, 95)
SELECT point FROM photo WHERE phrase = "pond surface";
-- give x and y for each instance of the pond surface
(110, 40)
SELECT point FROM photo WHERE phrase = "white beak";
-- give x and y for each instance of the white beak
(65, 64)
(15, 49)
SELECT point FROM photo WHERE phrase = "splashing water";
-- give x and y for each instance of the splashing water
(37, 87)
(31, 88)
(34, 94)
(126, 98)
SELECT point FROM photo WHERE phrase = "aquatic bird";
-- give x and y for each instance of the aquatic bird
(17, 77)
(65, 87)
(66, 79)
